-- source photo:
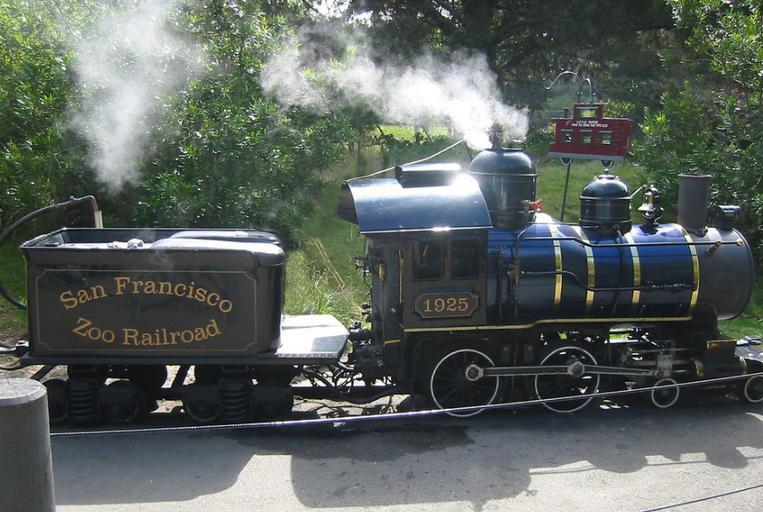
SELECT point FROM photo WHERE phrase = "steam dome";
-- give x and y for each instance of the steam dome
(605, 203)
(507, 180)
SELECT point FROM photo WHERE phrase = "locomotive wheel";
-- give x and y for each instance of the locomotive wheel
(449, 386)
(752, 390)
(58, 407)
(555, 386)
(664, 398)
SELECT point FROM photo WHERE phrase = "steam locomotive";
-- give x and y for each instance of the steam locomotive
(475, 297)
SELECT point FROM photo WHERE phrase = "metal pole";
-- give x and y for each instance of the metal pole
(26, 469)
(564, 197)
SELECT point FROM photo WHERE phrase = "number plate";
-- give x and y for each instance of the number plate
(446, 304)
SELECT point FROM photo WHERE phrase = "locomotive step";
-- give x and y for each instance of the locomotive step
(309, 339)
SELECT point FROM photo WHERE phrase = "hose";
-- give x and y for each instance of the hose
(26, 218)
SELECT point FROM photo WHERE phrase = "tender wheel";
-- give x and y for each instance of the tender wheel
(752, 390)
(554, 386)
(150, 378)
(202, 403)
(58, 407)
(664, 398)
(123, 401)
(449, 386)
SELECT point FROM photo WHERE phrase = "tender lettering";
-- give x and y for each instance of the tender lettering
(86, 329)
(123, 285)
(163, 337)
(83, 296)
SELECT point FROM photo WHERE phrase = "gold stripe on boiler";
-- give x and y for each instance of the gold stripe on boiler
(636, 296)
(558, 263)
(695, 269)
(591, 266)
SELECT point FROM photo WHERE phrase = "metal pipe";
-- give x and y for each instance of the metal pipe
(640, 244)
(693, 196)
(97, 220)
(566, 186)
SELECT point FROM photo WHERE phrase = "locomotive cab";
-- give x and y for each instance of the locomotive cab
(427, 231)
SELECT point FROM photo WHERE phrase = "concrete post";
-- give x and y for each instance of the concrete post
(26, 470)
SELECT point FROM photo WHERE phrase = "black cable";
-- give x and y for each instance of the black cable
(706, 498)
(30, 216)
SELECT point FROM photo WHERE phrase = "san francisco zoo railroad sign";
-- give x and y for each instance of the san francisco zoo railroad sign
(143, 312)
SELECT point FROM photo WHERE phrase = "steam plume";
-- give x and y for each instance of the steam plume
(460, 92)
(126, 68)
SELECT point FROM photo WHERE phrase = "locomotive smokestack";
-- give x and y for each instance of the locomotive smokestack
(693, 196)
(496, 136)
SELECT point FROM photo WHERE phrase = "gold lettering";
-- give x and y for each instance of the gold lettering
(121, 283)
(82, 325)
(67, 298)
(155, 338)
(150, 288)
(213, 329)
(82, 296)
(225, 306)
(201, 295)
(212, 302)
(97, 292)
(183, 336)
(130, 336)
(165, 288)
(136, 286)
(177, 289)
(108, 336)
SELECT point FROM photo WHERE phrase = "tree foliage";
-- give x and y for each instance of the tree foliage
(714, 123)
(228, 155)
(224, 155)
(527, 41)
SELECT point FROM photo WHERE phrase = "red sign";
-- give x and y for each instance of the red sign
(590, 135)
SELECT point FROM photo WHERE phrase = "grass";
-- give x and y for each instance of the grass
(13, 277)
(407, 133)
(751, 320)
(321, 276)
(551, 177)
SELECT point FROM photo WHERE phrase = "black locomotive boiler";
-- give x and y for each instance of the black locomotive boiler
(475, 297)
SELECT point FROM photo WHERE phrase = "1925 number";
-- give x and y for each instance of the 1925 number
(446, 304)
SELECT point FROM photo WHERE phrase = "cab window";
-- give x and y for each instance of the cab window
(427, 259)
(464, 258)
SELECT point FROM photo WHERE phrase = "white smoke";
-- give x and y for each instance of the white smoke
(127, 67)
(460, 92)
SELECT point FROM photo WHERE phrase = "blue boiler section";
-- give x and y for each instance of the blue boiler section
(555, 273)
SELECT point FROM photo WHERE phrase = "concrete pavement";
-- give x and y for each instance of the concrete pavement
(625, 459)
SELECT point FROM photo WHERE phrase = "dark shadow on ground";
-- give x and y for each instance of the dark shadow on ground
(488, 457)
